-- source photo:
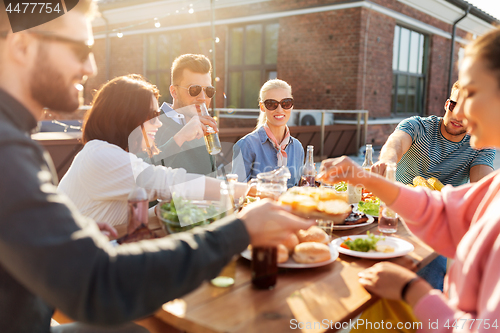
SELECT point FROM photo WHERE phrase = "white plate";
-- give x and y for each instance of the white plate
(290, 263)
(350, 226)
(356, 210)
(401, 247)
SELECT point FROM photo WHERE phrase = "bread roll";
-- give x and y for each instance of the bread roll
(434, 182)
(311, 252)
(420, 181)
(290, 242)
(313, 234)
(282, 253)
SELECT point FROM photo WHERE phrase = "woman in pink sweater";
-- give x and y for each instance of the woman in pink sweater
(461, 223)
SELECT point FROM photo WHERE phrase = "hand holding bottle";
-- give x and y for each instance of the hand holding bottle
(211, 137)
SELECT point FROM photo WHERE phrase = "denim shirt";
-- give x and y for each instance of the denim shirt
(255, 153)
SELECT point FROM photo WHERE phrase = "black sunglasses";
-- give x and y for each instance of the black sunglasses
(452, 105)
(81, 49)
(195, 90)
(272, 104)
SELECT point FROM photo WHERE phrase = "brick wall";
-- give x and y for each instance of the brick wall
(377, 31)
(318, 54)
(438, 75)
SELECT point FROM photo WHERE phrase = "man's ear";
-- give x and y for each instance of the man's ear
(446, 106)
(173, 91)
(21, 48)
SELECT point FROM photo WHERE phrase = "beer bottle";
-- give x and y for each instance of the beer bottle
(309, 171)
(211, 138)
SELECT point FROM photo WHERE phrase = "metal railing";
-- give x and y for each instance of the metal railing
(253, 114)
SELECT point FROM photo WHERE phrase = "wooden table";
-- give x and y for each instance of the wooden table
(331, 292)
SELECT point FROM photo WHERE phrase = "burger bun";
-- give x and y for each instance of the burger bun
(311, 252)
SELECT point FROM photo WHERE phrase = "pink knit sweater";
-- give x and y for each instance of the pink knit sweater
(461, 223)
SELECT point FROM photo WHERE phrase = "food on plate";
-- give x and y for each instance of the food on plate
(368, 244)
(368, 196)
(431, 183)
(384, 248)
(313, 234)
(356, 218)
(290, 242)
(420, 181)
(316, 202)
(282, 253)
(311, 252)
(434, 182)
(305, 254)
(369, 207)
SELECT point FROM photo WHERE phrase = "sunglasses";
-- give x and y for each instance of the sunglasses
(153, 115)
(81, 49)
(272, 104)
(452, 105)
(195, 90)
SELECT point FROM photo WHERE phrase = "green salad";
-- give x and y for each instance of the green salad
(362, 244)
(192, 215)
(370, 207)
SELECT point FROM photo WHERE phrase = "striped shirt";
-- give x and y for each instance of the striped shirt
(432, 155)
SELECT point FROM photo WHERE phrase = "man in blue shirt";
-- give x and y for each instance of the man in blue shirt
(435, 147)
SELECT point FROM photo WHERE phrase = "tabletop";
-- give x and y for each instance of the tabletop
(330, 293)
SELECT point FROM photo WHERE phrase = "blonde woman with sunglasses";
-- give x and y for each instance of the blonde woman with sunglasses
(270, 145)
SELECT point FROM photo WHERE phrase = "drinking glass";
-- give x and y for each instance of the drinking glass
(387, 221)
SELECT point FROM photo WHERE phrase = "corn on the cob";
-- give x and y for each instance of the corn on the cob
(420, 181)
(434, 182)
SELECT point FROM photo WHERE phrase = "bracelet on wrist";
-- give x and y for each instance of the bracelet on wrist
(407, 286)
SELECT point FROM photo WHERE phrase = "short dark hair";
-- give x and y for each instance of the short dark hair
(196, 63)
(120, 106)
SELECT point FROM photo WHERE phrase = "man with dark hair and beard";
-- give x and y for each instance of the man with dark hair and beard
(50, 255)
(436, 147)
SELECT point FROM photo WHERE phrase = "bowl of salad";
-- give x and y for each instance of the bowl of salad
(180, 215)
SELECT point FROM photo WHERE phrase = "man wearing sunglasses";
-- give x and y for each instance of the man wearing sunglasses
(435, 147)
(53, 257)
(180, 139)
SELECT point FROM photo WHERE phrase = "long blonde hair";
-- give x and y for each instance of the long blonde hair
(270, 85)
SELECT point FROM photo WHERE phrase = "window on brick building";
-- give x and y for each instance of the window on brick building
(161, 50)
(409, 68)
(253, 53)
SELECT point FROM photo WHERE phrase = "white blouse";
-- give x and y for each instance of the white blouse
(102, 175)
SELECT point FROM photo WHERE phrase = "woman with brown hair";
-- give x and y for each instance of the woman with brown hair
(459, 222)
(123, 122)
